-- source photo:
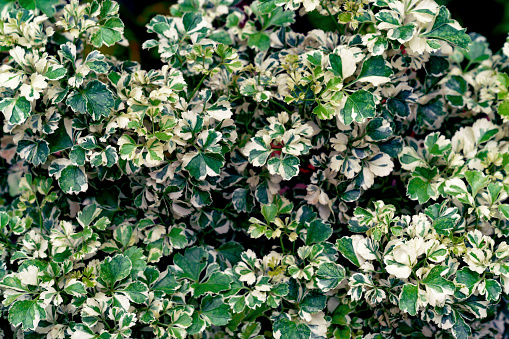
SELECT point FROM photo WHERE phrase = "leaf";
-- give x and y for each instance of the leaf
(35, 152)
(504, 209)
(420, 187)
(503, 109)
(167, 284)
(115, 269)
(379, 129)
(95, 99)
(73, 180)
(358, 106)
(408, 299)
(398, 105)
(259, 151)
(376, 71)
(88, 214)
(313, 302)
(242, 200)
(259, 40)
(26, 312)
(216, 283)
(46, 6)
(492, 290)
(460, 330)
(345, 246)
(109, 33)
(215, 311)
(123, 234)
(286, 166)
(468, 278)
(318, 232)
(430, 114)
(324, 111)
(291, 330)
(60, 139)
(329, 275)
(16, 111)
(77, 289)
(435, 281)
(191, 263)
(443, 29)
(403, 33)
(477, 181)
(199, 164)
(138, 260)
(136, 292)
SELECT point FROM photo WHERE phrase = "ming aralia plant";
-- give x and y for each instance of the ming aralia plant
(262, 183)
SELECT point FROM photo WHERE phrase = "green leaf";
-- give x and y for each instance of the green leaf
(504, 209)
(431, 113)
(468, 278)
(115, 269)
(73, 180)
(477, 181)
(329, 275)
(460, 330)
(375, 70)
(123, 234)
(136, 291)
(403, 33)
(435, 281)
(95, 99)
(203, 164)
(16, 110)
(191, 263)
(286, 166)
(26, 312)
(313, 302)
(291, 330)
(408, 299)
(359, 106)
(216, 283)
(242, 200)
(215, 311)
(77, 156)
(503, 109)
(318, 232)
(259, 40)
(444, 30)
(420, 187)
(492, 290)
(437, 145)
(167, 284)
(379, 129)
(88, 214)
(35, 152)
(77, 289)
(345, 246)
(60, 139)
(138, 260)
(46, 6)
(279, 17)
(109, 33)
(260, 152)
(324, 111)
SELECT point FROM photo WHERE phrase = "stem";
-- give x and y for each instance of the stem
(335, 21)
(281, 106)
(190, 98)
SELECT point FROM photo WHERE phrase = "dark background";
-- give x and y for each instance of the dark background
(486, 17)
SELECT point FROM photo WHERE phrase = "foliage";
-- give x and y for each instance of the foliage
(262, 183)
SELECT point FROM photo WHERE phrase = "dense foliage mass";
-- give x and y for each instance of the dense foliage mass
(263, 183)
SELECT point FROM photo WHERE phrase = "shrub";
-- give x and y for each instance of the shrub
(262, 182)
